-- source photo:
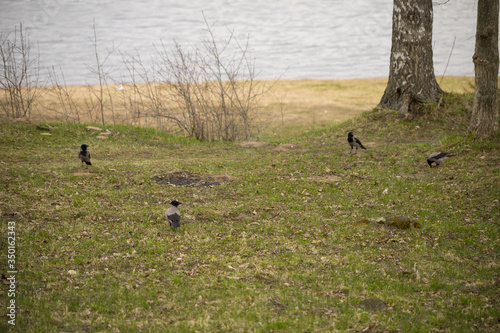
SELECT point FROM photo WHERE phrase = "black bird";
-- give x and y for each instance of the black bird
(173, 215)
(84, 155)
(438, 158)
(354, 142)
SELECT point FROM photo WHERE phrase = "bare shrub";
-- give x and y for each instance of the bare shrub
(67, 105)
(101, 92)
(20, 77)
(208, 92)
(213, 86)
(147, 97)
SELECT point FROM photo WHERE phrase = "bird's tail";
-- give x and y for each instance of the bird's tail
(361, 146)
(88, 163)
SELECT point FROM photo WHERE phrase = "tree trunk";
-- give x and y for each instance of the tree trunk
(484, 121)
(411, 73)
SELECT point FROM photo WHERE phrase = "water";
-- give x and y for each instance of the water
(288, 38)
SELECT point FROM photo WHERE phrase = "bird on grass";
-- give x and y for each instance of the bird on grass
(354, 142)
(173, 215)
(438, 158)
(84, 155)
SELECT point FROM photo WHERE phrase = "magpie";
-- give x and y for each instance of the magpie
(173, 215)
(354, 142)
(438, 158)
(84, 155)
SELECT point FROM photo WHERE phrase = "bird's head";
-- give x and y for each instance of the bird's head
(175, 203)
(84, 146)
(350, 134)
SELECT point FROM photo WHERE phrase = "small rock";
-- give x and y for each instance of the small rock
(72, 272)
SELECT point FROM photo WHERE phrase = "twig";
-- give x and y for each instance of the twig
(448, 62)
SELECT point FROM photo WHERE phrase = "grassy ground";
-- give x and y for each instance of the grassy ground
(282, 244)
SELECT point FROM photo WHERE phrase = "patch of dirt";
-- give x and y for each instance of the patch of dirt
(417, 175)
(82, 174)
(255, 144)
(185, 178)
(245, 217)
(370, 144)
(285, 147)
(288, 148)
(392, 222)
(373, 304)
(325, 179)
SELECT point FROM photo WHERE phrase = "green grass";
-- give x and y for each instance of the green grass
(278, 248)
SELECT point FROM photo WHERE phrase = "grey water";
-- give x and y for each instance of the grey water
(315, 39)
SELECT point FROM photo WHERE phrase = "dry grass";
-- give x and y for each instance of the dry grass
(290, 106)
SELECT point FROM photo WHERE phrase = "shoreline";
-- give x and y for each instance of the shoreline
(438, 78)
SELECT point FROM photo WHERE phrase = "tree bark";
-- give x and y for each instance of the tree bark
(484, 121)
(411, 72)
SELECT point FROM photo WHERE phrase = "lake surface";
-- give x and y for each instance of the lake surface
(314, 39)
